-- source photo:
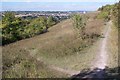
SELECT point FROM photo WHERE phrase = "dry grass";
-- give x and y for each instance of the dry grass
(113, 47)
(58, 47)
(20, 64)
(94, 26)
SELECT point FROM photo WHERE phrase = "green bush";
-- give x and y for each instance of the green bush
(14, 28)
(50, 21)
(110, 12)
(103, 15)
(37, 26)
(79, 23)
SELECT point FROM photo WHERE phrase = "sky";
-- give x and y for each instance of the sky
(53, 5)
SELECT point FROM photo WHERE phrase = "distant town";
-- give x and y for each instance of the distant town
(35, 14)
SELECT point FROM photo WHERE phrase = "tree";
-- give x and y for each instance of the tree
(12, 27)
(79, 24)
(9, 30)
(36, 26)
(8, 17)
(49, 21)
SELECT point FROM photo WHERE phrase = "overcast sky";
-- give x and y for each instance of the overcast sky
(54, 5)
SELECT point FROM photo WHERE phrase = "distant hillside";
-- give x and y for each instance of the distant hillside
(110, 12)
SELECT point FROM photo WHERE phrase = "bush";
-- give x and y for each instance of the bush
(79, 23)
(14, 28)
(50, 21)
(103, 15)
(110, 12)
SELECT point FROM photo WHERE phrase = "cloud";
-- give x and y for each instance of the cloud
(60, 0)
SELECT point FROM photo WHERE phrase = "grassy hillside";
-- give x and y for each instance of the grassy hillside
(60, 47)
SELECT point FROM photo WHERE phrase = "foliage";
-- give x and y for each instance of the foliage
(110, 12)
(79, 23)
(8, 17)
(37, 26)
(115, 15)
(103, 15)
(14, 28)
(50, 21)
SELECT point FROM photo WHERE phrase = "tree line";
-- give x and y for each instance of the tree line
(15, 28)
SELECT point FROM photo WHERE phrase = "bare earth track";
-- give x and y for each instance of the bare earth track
(101, 59)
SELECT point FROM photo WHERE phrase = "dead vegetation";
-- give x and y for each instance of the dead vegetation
(113, 47)
(56, 47)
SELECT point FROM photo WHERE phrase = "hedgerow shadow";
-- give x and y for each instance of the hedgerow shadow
(98, 74)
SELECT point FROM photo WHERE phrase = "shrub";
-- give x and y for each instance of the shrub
(79, 23)
(14, 28)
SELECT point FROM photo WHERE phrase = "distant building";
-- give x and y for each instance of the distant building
(84, 12)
